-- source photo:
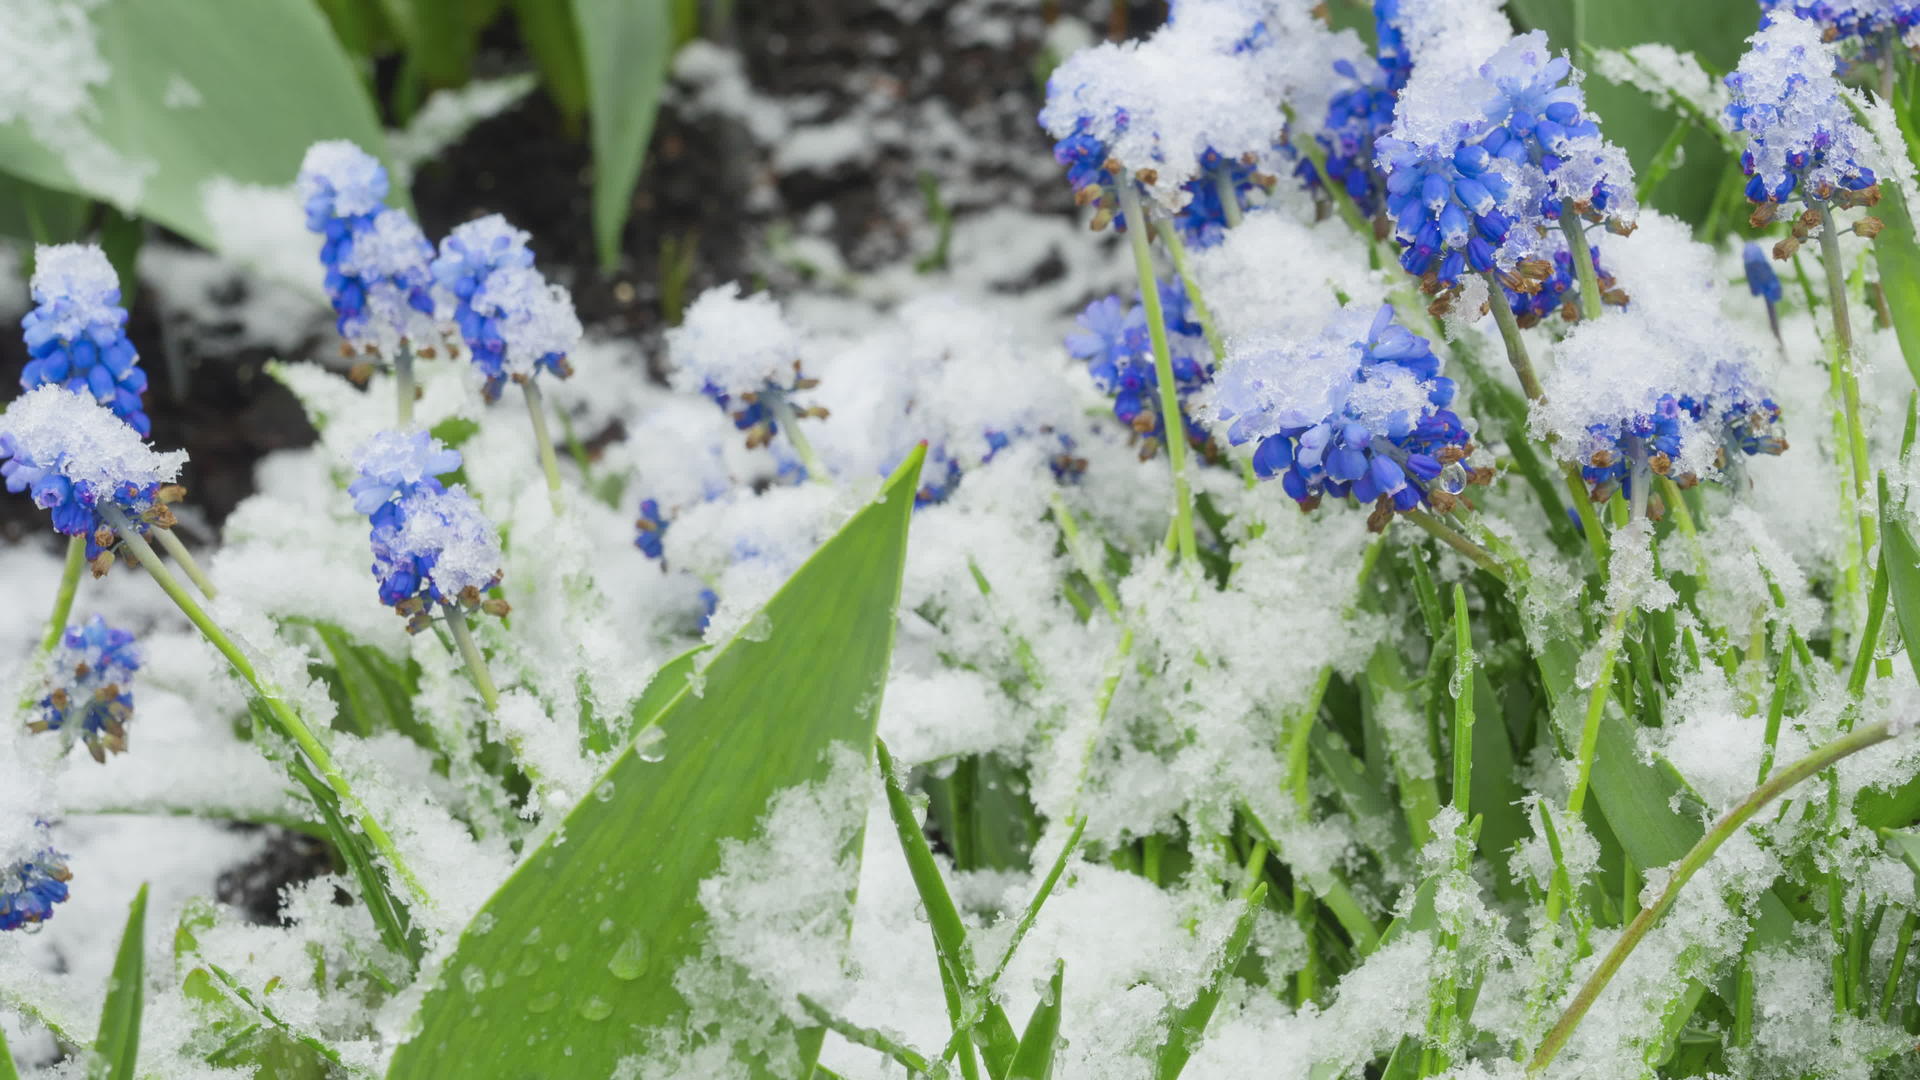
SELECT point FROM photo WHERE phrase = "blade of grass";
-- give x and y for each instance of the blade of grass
(1191, 1022)
(1034, 1060)
(117, 1046)
(949, 932)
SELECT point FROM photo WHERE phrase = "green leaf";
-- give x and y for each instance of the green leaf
(626, 45)
(665, 687)
(7, 1071)
(1034, 1060)
(1898, 256)
(943, 915)
(374, 692)
(598, 920)
(1902, 557)
(253, 83)
(547, 28)
(1191, 1022)
(117, 1046)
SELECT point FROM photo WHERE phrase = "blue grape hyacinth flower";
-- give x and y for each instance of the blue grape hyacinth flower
(516, 324)
(31, 887)
(650, 529)
(72, 455)
(1359, 410)
(744, 356)
(376, 259)
(91, 687)
(1763, 283)
(1114, 343)
(1801, 136)
(1448, 207)
(76, 334)
(1868, 20)
(431, 543)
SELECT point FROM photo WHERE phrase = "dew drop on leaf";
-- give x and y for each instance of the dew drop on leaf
(544, 1003)
(595, 1008)
(629, 961)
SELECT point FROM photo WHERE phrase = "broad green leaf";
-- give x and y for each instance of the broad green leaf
(1190, 1023)
(1898, 256)
(546, 27)
(1041, 1039)
(573, 959)
(665, 687)
(626, 45)
(200, 96)
(1902, 557)
(35, 214)
(117, 1046)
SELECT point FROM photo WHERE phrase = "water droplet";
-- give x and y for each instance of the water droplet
(529, 964)
(649, 746)
(544, 1003)
(604, 792)
(629, 961)
(562, 951)
(1453, 478)
(532, 938)
(595, 1008)
(473, 979)
(606, 926)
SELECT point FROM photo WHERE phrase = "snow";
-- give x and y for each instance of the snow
(83, 441)
(736, 344)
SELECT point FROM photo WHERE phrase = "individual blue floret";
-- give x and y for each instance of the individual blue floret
(650, 529)
(91, 687)
(76, 334)
(515, 323)
(30, 888)
(376, 258)
(72, 455)
(1763, 283)
(1360, 410)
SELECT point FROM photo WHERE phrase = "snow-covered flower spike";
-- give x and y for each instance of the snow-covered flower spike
(1552, 286)
(91, 687)
(1802, 138)
(1113, 341)
(515, 323)
(1359, 409)
(1449, 208)
(30, 888)
(73, 457)
(76, 334)
(1872, 21)
(743, 354)
(376, 258)
(431, 545)
(1540, 121)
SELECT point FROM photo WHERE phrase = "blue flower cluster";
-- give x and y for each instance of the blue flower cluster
(92, 687)
(1090, 172)
(70, 454)
(431, 544)
(1114, 342)
(514, 322)
(31, 887)
(1865, 19)
(1202, 221)
(1358, 115)
(376, 258)
(1341, 416)
(1446, 204)
(1801, 136)
(1556, 290)
(941, 474)
(1740, 417)
(76, 334)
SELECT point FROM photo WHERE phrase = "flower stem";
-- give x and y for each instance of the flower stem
(789, 421)
(1229, 198)
(1849, 382)
(403, 384)
(63, 598)
(270, 696)
(187, 562)
(549, 463)
(1447, 535)
(470, 654)
(1510, 336)
(1184, 267)
(1184, 539)
(1596, 710)
(1702, 851)
(1582, 252)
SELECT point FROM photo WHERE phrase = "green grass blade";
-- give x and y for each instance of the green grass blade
(1041, 1039)
(943, 915)
(7, 1071)
(581, 946)
(547, 28)
(626, 46)
(1462, 704)
(117, 1046)
(1191, 1022)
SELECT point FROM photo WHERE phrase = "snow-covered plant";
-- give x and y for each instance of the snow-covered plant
(962, 703)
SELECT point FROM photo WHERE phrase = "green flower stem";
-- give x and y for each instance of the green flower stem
(470, 654)
(1510, 337)
(270, 696)
(543, 442)
(187, 562)
(403, 384)
(1582, 252)
(1184, 539)
(1702, 851)
(63, 597)
(1849, 382)
(1183, 266)
(789, 421)
(1596, 709)
(1447, 535)
(1229, 198)
(1204, 316)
